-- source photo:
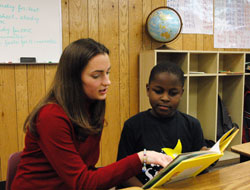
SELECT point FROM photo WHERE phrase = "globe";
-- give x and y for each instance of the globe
(164, 24)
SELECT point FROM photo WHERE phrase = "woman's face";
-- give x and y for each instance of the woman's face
(95, 77)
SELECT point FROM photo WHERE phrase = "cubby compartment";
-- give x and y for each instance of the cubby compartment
(231, 63)
(181, 58)
(202, 63)
(202, 103)
(231, 91)
(247, 57)
(247, 79)
(247, 64)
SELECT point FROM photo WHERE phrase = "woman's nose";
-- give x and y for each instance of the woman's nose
(106, 81)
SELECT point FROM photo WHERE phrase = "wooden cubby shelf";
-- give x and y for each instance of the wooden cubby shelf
(207, 75)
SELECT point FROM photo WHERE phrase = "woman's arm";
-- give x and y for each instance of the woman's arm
(56, 136)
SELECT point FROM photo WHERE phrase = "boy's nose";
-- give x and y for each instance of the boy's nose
(165, 97)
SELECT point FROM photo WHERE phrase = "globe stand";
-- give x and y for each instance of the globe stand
(164, 47)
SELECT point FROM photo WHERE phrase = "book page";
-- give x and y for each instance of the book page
(188, 168)
(225, 140)
(185, 173)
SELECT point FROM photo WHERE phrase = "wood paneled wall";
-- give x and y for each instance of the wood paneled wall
(120, 25)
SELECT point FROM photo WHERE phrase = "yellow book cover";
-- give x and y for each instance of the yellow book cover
(190, 164)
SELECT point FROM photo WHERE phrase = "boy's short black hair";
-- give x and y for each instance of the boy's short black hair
(167, 66)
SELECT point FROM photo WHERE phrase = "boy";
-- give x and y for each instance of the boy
(162, 126)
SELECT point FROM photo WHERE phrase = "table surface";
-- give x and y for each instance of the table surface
(242, 149)
(235, 177)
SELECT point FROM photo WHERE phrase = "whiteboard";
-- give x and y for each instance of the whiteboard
(30, 28)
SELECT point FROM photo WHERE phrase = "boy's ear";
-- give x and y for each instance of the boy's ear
(147, 88)
(182, 91)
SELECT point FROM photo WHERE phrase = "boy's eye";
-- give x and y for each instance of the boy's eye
(173, 93)
(158, 91)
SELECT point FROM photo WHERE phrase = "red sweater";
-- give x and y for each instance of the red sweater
(57, 160)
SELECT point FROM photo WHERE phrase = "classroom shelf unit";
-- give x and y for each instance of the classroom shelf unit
(207, 74)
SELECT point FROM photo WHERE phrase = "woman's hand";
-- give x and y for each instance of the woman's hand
(153, 157)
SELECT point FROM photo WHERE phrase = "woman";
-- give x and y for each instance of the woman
(63, 131)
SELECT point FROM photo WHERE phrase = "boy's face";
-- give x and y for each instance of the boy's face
(164, 93)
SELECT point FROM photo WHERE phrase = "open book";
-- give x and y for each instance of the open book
(190, 164)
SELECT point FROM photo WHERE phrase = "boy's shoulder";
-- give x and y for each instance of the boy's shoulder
(146, 114)
(139, 116)
(187, 117)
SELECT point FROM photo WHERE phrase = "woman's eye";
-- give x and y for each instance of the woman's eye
(95, 76)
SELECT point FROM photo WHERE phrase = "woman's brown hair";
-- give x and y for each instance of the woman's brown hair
(86, 115)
